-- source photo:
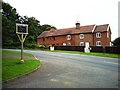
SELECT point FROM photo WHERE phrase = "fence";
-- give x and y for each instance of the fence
(106, 49)
(70, 48)
(102, 49)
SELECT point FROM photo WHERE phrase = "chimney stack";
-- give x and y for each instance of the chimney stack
(77, 25)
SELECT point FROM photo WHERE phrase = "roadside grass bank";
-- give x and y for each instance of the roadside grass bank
(110, 55)
(91, 53)
(11, 67)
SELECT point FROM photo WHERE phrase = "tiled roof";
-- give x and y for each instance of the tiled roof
(66, 31)
(101, 28)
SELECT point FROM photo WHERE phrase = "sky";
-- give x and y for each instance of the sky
(65, 13)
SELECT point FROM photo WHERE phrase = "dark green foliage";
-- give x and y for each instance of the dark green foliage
(116, 42)
(9, 19)
(9, 16)
(45, 27)
(33, 46)
(33, 30)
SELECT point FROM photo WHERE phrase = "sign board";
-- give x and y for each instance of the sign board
(21, 28)
(21, 31)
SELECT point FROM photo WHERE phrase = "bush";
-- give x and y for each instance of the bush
(41, 46)
(32, 46)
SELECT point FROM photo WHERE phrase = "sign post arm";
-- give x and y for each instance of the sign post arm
(24, 38)
(19, 38)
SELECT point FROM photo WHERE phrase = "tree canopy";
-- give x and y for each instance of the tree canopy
(9, 19)
(116, 42)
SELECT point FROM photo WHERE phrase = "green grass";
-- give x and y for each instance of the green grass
(0, 65)
(14, 53)
(12, 68)
(91, 53)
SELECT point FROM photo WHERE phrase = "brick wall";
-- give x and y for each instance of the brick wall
(75, 40)
(59, 40)
(87, 38)
(105, 41)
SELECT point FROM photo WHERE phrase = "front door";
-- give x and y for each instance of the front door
(87, 45)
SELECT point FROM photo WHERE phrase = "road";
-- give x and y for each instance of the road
(62, 70)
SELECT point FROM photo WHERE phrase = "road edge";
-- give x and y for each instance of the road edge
(6, 81)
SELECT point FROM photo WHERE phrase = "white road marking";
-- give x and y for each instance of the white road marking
(110, 62)
(54, 80)
(35, 57)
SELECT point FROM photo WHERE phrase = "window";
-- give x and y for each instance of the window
(98, 35)
(81, 36)
(68, 37)
(81, 43)
(53, 38)
(98, 43)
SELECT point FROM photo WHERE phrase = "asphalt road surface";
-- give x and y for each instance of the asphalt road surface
(62, 70)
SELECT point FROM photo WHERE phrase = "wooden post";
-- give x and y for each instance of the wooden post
(23, 32)
(22, 47)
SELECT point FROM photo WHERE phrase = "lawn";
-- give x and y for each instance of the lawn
(12, 68)
(15, 54)
(91, 53)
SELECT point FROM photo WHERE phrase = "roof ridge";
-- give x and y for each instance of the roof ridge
(66, 28)
(102, 24)
(74, 27)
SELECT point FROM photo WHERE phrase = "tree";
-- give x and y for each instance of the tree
(116, 42)
(9, 19)
(46, 27)
(9, 16)
(33, 29)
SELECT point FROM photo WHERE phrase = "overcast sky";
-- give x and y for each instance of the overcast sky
(65, 13)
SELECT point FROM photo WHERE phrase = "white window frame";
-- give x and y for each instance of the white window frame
(98, 43)
(82, 43)
(98, 35)
(68, 37)
(81, 36)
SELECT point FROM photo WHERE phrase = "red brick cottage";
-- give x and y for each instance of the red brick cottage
(96, 35)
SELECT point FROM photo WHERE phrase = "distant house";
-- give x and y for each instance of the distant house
(95, 35)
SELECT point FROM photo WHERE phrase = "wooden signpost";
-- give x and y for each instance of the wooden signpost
(22, 32)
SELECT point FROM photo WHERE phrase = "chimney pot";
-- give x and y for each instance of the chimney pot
(77, 25)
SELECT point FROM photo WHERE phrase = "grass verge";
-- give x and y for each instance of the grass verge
(12, 68)
(91, 53)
